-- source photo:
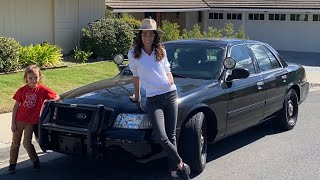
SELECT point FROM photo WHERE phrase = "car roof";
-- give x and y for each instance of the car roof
(211, 41)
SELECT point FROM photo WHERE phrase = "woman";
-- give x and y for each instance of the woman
(150, 67)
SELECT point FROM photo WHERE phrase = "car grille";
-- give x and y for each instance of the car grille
(72, 117)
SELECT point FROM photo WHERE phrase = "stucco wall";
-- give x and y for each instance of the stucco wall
(27, 21)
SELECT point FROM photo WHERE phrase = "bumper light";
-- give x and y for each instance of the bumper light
(132, 121)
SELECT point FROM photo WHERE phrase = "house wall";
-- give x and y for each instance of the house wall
(27, 21)
(284, 35)
(53, 21)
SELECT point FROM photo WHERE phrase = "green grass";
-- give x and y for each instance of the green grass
(60, 80)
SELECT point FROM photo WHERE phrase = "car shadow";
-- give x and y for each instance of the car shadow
(240, 140)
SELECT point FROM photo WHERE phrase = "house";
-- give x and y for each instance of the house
(288, 25)
(53, 21)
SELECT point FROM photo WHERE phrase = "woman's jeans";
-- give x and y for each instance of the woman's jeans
(162, 112)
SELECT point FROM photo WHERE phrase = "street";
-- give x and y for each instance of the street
(261, 152)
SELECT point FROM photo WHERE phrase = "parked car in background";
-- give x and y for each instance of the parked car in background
(224, 86)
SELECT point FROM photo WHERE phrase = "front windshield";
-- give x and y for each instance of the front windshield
(194, 61)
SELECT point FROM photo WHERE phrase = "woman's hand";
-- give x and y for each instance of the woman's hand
(134, 98)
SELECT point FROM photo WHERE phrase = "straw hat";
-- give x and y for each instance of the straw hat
(148, 25)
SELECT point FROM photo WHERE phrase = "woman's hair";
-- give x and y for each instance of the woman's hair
(32, 69)
(138, 45)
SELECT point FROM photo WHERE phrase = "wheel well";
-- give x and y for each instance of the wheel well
(297, 89)
(211, 122)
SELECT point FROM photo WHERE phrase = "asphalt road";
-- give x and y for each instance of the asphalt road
(258, 153)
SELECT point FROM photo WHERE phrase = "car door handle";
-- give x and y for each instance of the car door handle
(260, 84)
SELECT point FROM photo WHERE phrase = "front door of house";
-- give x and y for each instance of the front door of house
(66, 24)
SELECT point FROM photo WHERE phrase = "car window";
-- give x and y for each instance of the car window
(242, 57)
(194, 61)
(261, 56)
(274, 62)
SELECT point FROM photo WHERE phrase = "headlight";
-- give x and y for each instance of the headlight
(132, 121)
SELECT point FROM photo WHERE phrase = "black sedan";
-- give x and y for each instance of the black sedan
(224, 86)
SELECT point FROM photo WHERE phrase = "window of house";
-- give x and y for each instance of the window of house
(152, 15)
(316, 17)
(199, 16)
(298, 17)
(234, 16)
(277, 17)
(216, 15)
(256, 16)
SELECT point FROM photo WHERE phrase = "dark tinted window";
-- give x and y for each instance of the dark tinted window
(194, 61)
(242, 57)
(261, 56)
(274, 62)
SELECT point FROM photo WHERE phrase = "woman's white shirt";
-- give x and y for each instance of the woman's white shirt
(152, 73)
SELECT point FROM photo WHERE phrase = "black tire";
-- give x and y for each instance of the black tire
(193, 142)
(289, 113)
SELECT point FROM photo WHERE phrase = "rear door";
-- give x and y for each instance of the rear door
(245, 97)
(274, 78)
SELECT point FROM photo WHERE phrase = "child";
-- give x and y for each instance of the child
(25, 114)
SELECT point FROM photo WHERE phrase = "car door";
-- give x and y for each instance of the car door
(274, 78)
(245, 97)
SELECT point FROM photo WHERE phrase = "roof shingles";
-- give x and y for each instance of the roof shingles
(198, 4)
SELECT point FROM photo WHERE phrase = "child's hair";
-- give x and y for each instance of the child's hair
(32, 69)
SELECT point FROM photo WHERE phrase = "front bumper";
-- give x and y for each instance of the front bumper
(94, 138)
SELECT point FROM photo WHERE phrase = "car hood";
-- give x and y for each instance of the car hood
(114, 93)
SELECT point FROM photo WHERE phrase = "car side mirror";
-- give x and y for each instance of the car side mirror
(118, 59)
(237, 73)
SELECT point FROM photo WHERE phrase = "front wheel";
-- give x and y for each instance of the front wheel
(289, 113)
(193, 142)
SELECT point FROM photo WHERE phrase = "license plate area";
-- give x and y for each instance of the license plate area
(70, 145)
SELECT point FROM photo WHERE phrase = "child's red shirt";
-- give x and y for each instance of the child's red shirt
(31, 101)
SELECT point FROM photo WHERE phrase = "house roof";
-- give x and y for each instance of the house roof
(156, 5)
(265, 4)
(198, 5)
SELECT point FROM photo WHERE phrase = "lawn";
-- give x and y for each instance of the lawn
(60, 80)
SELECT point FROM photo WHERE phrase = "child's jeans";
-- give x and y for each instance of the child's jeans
(27, 138)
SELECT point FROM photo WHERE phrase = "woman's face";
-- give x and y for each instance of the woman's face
(33, 79)
(147, 38)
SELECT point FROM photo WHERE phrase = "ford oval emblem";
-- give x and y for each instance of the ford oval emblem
(81, 116)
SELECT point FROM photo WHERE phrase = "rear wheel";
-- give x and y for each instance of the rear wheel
(193, 142)
(289, 113)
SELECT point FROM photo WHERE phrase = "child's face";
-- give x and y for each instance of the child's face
(33, 79)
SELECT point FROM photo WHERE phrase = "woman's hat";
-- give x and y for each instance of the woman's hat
(148, 25)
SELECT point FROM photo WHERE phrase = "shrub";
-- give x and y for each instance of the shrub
(195, 32)
(43, 55)
(241, 33)
(107, 37)
(229, 31)
(9, 54)
(130, 20)
(214, 33)
(81, 56)
(171, 31)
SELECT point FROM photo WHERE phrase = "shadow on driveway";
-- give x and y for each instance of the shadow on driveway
(303, 58)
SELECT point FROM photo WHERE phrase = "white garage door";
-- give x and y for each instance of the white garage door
(284, 31)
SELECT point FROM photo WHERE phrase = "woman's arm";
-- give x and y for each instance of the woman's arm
(136, 85)
(170, 78)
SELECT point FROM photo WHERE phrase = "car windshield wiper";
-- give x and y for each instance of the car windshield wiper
(178, 75)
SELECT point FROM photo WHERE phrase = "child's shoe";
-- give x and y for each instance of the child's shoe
(12, 168)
